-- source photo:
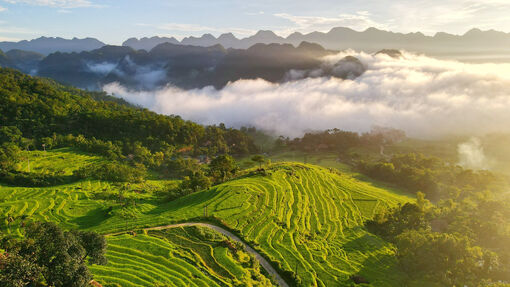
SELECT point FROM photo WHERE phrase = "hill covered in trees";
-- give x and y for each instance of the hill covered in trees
(37, 113)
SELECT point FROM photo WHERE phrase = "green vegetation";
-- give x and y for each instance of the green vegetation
(430, 175)
(87, 163)
(48, 255)
(451, 243)
(63, 161)
(307, 220)
(39, 114)
(304, 218)
(181, 256)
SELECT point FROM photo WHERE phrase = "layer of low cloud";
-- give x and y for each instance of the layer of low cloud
(102, 68)
(140, 76)
(424, 96)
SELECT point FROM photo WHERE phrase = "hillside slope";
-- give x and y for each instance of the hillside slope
(306, 219)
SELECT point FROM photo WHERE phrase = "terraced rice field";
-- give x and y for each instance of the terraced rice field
(80, 205)
(182, 256)
(62, 160)
(62, 204)
(309, 220)
(304, 218)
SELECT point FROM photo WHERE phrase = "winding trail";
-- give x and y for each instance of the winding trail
(263, 262)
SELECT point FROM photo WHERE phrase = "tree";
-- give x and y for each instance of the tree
(222, 167)
(56, 255)
(10, 134)
(10, 155)
(448, 258)
(259, 159)
(17, 271)
(410, 216)
(94, 245)
(196, 182)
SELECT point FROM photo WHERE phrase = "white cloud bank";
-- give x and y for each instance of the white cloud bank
(421, 95)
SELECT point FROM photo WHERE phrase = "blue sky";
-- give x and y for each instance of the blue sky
(113, 21)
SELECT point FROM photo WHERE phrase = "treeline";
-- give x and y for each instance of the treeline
(38, 113)
(40, 108)
(461, 239)
(336, 140)
(453, 243)
(430, 175)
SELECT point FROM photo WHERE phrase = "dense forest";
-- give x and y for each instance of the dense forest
(37, 113)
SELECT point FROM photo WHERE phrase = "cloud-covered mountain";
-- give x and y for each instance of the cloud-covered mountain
(424, 96)
(183, 66)
(48, 45)
(370, 40)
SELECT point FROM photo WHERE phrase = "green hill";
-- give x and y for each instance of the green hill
(47, 113)
(306, 219)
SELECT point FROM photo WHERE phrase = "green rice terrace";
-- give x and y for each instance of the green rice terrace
(304, 219)
(181, 256)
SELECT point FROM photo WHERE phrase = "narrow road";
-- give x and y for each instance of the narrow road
(263, 262)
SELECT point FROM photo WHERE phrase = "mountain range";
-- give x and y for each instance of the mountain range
(48, 45)
(184, 66)
(340, 38)
(371, 40)
(196, 62)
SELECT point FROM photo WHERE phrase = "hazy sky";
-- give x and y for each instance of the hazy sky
(113, 21)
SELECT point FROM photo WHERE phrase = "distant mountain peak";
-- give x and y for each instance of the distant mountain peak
(473, 31)
(310, 46)
(227, 37)
(208, 36)
(265, 33)
(47, 45)
(340, 30)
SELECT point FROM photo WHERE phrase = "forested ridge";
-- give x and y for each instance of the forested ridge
(37, 111)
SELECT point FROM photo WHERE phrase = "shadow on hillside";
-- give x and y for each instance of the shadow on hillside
(189, 201)
(379, 266)
(93, 218)
(381, 262)
(382, 185)
(367, 242)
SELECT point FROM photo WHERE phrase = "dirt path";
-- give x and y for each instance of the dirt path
(263, 262)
